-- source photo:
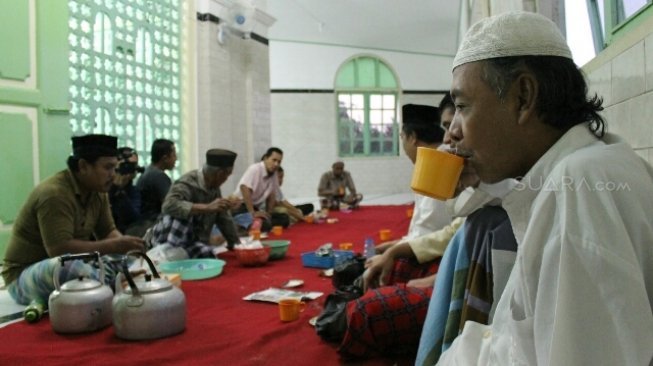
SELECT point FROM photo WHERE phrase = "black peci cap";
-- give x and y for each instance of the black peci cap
(96, 145)
(220, 158)
(420, 114)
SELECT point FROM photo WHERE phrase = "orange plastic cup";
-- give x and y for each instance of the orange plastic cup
(277, 230)
(385, 234)
(346, 246)
(289, 309)
(309, 219)
(255, 234)
(436, 173)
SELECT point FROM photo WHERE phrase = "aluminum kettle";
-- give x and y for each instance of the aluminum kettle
(150, 308)
(80, 305)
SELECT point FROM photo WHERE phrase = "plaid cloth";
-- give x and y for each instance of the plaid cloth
(388, 320)
(179, 233)
(36, 282)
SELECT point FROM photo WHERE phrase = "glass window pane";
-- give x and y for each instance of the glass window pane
(357, 101)
(387, 147)
(358, 115)
(579, 31)
(345, 147)
(376, 101)
(375, 147)
(388, 116)
(358, 147)
(630, 7)
(389, 101)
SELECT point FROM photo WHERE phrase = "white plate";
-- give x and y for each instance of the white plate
(293, 283)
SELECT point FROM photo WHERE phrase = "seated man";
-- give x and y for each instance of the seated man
(421, 127)
(257, 188)
(194, 204)
(581, 289)
(67, 213)
(124, 197)
(154, 183)
(333, 188)
(295, 213)
(406, 267)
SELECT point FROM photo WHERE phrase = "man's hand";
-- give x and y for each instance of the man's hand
(128, 242)
(218, 204)
(261, 214)
(234, 202)
(381, 248)
(120, 180)
(378, 270)
(424, 282)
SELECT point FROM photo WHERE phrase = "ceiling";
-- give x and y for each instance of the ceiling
(412, 26)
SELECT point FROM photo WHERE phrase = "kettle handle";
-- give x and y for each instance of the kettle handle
(70, 257)
(128, 276)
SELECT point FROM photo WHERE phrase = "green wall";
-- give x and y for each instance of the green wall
(34, 127)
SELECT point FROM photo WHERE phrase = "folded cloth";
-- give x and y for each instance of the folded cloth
(465, 282)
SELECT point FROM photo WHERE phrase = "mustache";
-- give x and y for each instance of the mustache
(457, 150)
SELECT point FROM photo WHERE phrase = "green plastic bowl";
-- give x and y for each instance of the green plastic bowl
(194, 269)
(279, 248)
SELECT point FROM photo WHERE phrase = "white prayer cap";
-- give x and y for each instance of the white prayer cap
(511, 34)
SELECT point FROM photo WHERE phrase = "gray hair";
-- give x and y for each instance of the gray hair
(211, 170)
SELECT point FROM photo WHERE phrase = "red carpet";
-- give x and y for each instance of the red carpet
(223, 329)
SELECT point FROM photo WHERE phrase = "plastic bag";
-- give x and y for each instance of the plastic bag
(332, 321)
(347, 271)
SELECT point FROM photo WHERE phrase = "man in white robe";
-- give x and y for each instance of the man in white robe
(581, 289)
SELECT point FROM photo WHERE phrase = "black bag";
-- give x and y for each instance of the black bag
(346, 272)
(331, 324)
(280, 219)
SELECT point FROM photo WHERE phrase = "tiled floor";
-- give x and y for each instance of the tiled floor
(10, 310)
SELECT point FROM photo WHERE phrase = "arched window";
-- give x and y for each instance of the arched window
(367, 92)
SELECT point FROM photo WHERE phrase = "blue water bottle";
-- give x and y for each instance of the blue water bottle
(369, 250)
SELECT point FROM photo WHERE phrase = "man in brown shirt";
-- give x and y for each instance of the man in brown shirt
(334, 185)
(67, 213)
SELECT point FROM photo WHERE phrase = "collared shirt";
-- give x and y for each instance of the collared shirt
(57, 211)
(433, 244)
(581, 289)
(329, 181)
(262, 183)
(190, 189)
(429, 215)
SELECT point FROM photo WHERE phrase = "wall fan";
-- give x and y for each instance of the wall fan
(239, 20)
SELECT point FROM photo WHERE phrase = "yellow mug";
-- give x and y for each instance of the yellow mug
(436, 173)
(289, 309)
